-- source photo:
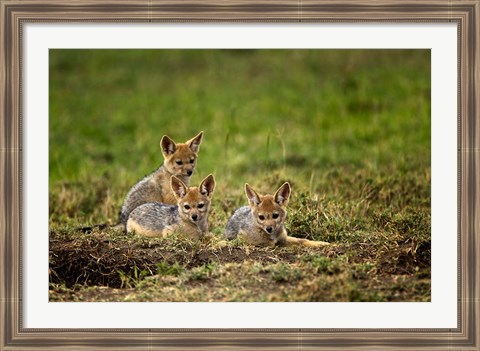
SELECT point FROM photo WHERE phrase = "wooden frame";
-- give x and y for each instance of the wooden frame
(14, 14)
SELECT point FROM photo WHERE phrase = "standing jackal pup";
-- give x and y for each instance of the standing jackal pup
(262, 222)
(180, 161)
(189, 217)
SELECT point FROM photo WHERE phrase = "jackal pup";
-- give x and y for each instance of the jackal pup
(263, 221)
(179, 160)
(189, 217)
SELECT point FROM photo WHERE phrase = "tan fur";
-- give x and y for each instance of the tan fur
(133, 226)
(257, 238)
(292, 241)
(266, 224)
(193, 197)
(183, 229)
(189, 219)
(185, 153)
(179, 160)
(161, 191)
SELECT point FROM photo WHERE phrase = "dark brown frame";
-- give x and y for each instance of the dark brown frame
(15, 13)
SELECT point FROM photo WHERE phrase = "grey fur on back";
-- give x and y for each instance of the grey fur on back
(155, 215)
(241, 220)
(141, 193)
(135, 197)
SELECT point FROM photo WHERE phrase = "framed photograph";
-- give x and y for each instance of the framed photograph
(359, 119)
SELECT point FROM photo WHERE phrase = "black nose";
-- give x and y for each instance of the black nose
(194, 217)
(269, 229)
(189, 172)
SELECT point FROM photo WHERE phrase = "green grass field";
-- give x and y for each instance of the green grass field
(349, 129)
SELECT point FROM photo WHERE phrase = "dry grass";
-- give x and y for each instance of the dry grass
(108, 266)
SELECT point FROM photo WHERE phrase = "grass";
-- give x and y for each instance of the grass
(349, 129)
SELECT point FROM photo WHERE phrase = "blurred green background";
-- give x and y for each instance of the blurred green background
(329, 121)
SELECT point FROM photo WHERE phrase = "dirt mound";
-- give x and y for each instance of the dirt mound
(101, 259)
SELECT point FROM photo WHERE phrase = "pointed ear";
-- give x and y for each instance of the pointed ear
(178, 187)
(252, 195)
(282, 195)
(207, 185)
(167, 145)
(194, 143)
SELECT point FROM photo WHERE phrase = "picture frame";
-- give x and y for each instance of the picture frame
(15, 14)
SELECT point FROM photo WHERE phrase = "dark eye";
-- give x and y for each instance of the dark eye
(178, 162)
(261, 217)
(192, 160)
(187, 207)
(275, 215)
(200, 205)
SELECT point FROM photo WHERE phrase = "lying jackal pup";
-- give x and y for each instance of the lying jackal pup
(188, 217)
(262, 222)
(180, 161)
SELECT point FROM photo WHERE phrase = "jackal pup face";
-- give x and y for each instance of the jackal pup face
(269, 211)
(181, 158)
(193, 202)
